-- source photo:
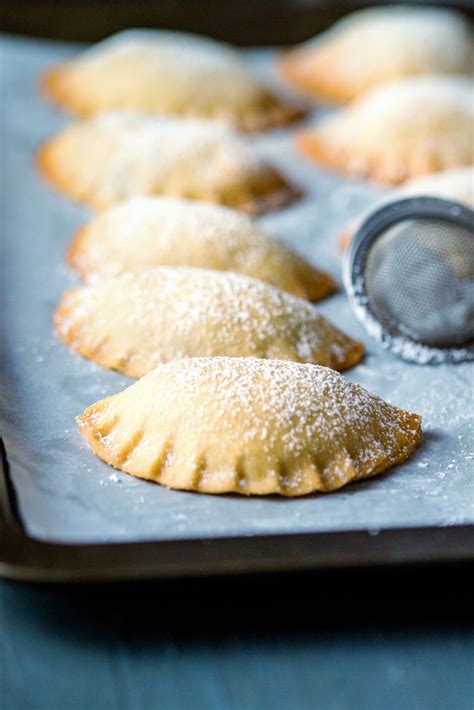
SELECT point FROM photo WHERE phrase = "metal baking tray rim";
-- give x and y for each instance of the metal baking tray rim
(25, 558)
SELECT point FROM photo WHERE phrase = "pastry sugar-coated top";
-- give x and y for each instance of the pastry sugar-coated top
(299, 402)
(185, 56)
(250, 426)
(111, 157)
(417, 101)
(373, 46)
(136, 320)
(167, 73)
(165, 231)
(404, 35)
(400, 130)
(138, 135)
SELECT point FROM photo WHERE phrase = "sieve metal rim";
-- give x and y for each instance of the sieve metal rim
(355, 260)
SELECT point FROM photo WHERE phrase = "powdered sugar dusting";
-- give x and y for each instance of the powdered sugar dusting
(169, 214)
(405, 39)
(141, 154)
(421, 102)
(164, 231)
(143, 227)
(159, 314)
(406, 127)
(160, 142)
(169, 73)
(186, 57)
(299, 408)
(407, 96)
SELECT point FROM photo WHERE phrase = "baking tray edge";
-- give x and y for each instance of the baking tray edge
(25, 558)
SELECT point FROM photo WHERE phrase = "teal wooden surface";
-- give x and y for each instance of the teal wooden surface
(106, 648)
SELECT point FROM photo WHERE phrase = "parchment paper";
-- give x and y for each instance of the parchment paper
(64, 492)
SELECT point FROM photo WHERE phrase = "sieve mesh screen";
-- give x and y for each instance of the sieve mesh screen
(419, 279)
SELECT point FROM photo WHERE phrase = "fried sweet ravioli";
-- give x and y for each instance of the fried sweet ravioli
(163, 231)
(249, 426)
(377, 45)
(135, 321)
(167, 73)
(398, 131)
(107, 159)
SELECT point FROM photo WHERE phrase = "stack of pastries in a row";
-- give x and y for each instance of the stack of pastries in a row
(239, 390)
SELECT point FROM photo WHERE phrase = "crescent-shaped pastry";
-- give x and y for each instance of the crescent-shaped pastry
(168, 74)
(243, 425)
(166, 231)
(378, 45)
(398, 131)
(135, 321)
(456, 185)
(109, 158)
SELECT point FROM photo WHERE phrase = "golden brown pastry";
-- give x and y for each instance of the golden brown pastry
(243, 425)
(135, 321)
(165, 231)
(378, 45)
(112, 157)
(456, 185)
(398, 131)
(168, 74)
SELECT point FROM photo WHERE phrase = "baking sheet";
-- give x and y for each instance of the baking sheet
(64, 493)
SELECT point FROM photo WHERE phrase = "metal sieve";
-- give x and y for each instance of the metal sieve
(409, 274)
